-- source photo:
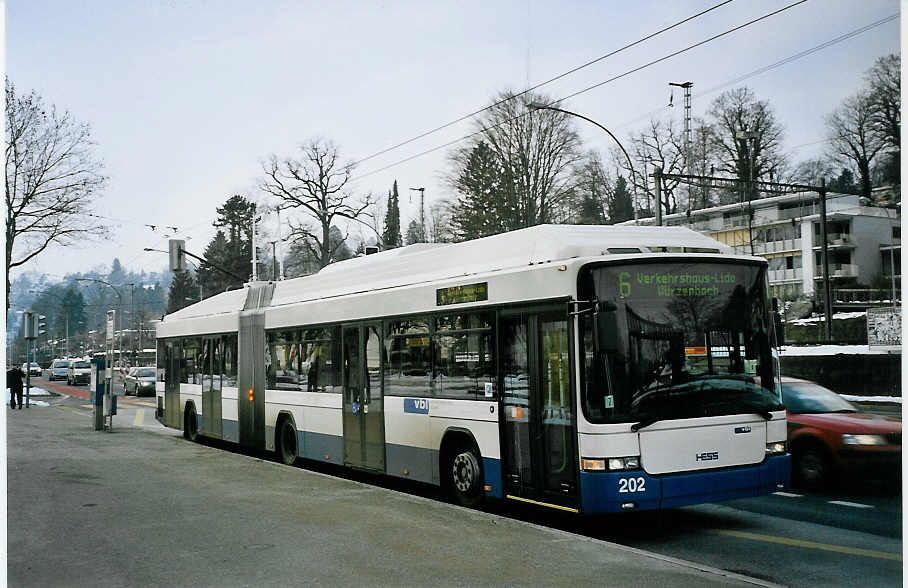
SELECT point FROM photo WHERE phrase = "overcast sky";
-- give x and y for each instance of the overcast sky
(187, 98)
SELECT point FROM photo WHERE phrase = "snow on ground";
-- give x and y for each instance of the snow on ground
(32, 393)
(839, 316)
(792, 350)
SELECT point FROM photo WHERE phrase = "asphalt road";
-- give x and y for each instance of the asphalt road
(790, 538)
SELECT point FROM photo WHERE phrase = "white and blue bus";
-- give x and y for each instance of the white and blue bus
(586, 368)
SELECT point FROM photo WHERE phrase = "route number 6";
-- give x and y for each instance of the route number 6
(627, 485)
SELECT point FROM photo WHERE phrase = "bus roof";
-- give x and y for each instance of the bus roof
(428, 262)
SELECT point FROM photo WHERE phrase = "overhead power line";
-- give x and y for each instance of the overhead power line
(593, 87)
(539, 85)
(772, 66)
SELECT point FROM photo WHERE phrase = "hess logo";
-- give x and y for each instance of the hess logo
(708, 456)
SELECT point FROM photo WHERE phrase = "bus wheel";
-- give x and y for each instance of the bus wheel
(287, 442)
(190, 424)
(465, 476)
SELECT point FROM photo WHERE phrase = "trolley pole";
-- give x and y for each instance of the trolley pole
(824, 248)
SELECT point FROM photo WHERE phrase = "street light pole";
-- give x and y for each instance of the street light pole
(537, 106)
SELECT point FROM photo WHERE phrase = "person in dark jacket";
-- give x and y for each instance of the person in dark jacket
(14, 381)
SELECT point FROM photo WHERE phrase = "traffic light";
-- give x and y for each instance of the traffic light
(42, 325)
(177, 259)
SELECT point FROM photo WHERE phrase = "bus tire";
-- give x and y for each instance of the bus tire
(190, 424)
(286, 442)
(463, 474)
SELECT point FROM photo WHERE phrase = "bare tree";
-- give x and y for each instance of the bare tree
(659, 145)
(758, 158)
(852, 137)
(885, 95)
(532, 154)
(52, 177)
(315, 183)
(440, 227)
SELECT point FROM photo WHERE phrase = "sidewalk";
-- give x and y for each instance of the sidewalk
(134, 508)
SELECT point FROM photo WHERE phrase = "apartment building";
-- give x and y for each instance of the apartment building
(864, 241)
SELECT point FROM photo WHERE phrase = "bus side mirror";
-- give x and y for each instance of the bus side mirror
(777, 324)
(606, 319)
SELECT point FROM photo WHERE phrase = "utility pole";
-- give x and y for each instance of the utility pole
(824, 251)
(686, 170)
(657, 178)
(274, 271)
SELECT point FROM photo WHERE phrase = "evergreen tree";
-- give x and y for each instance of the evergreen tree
(621, 204)
(301, 260)
(478, 210)
(415, 233)
(117, 275)
(182, 288)
(230, 248)
(391, 235)
(844, 183)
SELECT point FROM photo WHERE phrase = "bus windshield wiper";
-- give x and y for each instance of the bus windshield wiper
(645, 422)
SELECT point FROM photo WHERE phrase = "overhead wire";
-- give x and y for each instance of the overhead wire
(588, 89)
(541, 84)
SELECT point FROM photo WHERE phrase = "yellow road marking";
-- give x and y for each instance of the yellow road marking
(140, 417)
(810, 544)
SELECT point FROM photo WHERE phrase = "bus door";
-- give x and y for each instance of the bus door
(211, 388)
(173, 411)
(251, 378)
(364, 427)
(539, 424)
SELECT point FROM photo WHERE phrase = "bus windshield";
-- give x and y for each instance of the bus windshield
(692, 340)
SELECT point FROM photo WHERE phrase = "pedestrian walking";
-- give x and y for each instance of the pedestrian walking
(14, 380)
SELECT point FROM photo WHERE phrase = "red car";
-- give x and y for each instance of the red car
(829, 437)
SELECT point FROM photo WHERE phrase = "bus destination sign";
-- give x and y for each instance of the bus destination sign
(462, 294)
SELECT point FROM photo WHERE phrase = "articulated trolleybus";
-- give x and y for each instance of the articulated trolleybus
(591, 369)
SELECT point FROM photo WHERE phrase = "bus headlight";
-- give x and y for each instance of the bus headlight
(863, 440)
(610, 464)
(776, 448)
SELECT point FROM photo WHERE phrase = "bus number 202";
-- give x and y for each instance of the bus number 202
(626, 485)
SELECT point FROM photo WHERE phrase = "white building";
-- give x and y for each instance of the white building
(862, 239)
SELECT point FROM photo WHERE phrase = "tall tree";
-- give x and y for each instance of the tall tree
(480, 207)
(390, 237)
(760, 157)
(593, 189)
(852, 138)
(230, 248)
(52, 178)
(885, 95)
(183, 291)
(620, 205)
(660, 144)
(535, 153)
(316, 183)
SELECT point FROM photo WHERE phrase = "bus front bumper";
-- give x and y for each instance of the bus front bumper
(605, 492)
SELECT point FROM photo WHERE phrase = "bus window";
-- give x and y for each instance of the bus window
(189, 365)
(408, 371)
(464, 361)
(283, 369)
(229, 342)
(318, 352)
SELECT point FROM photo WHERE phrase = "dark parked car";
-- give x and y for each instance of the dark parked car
(829, 437)
(140, 380)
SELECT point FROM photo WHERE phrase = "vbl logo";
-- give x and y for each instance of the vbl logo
(416, 405)
(708, 456)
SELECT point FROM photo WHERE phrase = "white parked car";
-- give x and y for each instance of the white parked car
(79, 372)
(34, 369)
